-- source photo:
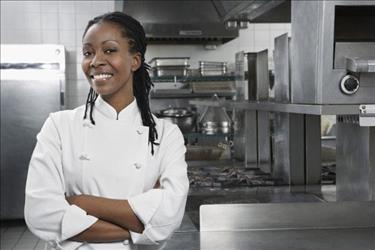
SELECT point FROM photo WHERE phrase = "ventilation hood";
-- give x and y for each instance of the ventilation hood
(204, 21)
(180, 21)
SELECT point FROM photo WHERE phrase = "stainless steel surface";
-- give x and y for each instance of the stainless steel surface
(245, 137)
(28, 94)
(258, 75)
(169, 71)
(208, 68)
(344, 50)
(314, 80)
(313, 109)
(296, 150)
(360, 64)
(367, 115)
(264, 141)
(169, 61)
(212, 87)
(240, 82)
(313, 149)
(180, 21)
(183, 117)
(254, 11)
(282, 70)
(215, 120)
(284, 216)
(355, 160)
(324, 239)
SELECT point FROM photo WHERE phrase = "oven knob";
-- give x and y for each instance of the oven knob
(349, 84)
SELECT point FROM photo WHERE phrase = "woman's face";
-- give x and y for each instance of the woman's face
(107, 62)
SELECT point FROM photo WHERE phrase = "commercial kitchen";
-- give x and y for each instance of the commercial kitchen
(275, 100)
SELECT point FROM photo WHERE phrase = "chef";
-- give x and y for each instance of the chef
(109, 174)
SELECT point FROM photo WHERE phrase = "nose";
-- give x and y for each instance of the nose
(97, 61)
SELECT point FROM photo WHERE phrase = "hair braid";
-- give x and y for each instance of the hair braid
(91, 98)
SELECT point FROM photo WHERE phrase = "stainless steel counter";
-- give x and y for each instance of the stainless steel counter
(325, 225)
(330, 239)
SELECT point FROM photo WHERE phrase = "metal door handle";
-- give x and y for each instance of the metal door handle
(360, 65)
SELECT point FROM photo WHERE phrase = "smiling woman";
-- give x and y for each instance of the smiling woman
(108, 174)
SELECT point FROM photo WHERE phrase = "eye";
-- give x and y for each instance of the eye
(86, 53)
(109, 51)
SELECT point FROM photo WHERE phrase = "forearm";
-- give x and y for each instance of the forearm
(117, 212)
(102, 231)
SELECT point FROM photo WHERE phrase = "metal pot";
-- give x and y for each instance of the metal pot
(183, 117)
(211, 128)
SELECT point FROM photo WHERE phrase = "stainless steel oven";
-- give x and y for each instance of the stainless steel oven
(333, 52)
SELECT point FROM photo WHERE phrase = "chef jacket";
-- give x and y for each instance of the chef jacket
(110, 159)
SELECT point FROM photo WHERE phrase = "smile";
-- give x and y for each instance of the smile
(101, 76)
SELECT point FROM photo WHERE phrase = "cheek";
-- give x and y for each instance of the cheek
(85, 65)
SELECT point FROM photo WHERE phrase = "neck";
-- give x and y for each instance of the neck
(119, 103)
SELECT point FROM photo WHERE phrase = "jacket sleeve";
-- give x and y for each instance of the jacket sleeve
(161, 210)
(47, 213)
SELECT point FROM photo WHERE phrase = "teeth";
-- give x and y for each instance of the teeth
(102, 76)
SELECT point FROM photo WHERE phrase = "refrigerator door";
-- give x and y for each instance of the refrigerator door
(29, 92)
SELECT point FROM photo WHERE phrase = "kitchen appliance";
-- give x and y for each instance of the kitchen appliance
(183, 117)
(32, 86)
(333, 52)
(209, 22)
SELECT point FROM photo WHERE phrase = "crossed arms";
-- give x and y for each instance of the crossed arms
(115, 218)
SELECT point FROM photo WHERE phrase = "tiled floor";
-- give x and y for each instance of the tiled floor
(18, 237)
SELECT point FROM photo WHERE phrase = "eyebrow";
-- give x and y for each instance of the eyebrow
(102, 42)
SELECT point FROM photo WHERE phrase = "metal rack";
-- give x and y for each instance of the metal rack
(297, 155)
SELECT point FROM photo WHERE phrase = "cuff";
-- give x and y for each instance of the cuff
(75, 221)
(141, 238)
(146, 204)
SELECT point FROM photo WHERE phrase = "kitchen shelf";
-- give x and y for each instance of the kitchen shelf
(313, 109)
(184, 94)
(193, 78)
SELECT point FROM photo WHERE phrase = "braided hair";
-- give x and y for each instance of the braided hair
(134, 32)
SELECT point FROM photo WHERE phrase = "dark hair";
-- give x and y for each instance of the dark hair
(133, 30)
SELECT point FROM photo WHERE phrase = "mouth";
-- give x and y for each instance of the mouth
(101, 76)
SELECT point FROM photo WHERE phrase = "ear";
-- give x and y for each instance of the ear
(136, 61)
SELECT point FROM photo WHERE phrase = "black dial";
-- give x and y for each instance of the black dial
(349, 84)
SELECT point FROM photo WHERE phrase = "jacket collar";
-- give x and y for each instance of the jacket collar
(130, 113)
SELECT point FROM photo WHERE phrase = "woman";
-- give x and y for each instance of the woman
(108, 175)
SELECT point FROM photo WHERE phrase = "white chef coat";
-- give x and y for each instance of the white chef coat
(110, 159)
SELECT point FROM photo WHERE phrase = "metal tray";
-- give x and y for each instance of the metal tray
(169, 71)
(169, 61)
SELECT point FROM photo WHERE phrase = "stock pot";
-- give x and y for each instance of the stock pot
(183, 117)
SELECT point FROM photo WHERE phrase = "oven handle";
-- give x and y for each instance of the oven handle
(360, 65)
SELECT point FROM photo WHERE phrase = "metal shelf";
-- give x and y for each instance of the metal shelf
(181, 94)
(313, 109)
(193, 78)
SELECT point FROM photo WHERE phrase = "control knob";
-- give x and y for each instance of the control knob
(349, 84)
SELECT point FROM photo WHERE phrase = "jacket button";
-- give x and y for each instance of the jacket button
(139, 132)
(84, 157)
(137, 165)
(126, 242)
